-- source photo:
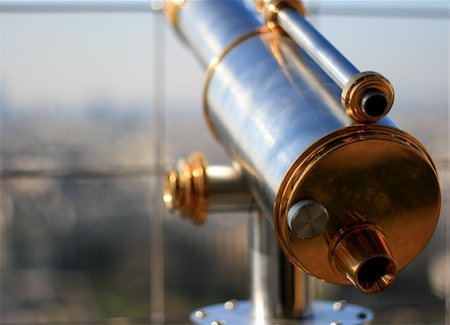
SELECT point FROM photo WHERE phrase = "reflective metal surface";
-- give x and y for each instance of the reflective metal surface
(327, 56)
(307, 218)
(380, 173)
(195, 189)
(278, 115)
(209, 26)
(277, 288)
(360, 250)
(372, 101)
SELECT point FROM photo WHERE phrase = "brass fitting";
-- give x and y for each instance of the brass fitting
(360, 251)
(171, 9)
(185, 189)
(270, 8)
(195, 189)
(356, 91)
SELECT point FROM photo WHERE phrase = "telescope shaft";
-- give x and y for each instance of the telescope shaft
(337, 66)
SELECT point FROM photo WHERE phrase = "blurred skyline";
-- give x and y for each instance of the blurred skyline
(54, 61)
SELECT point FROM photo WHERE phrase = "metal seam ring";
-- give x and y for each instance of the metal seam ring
(215, 61)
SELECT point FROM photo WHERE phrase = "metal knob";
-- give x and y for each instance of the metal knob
(307, 219)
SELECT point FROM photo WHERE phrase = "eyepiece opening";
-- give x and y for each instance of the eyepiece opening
(374, 103)
(376, 274)
(360, 252)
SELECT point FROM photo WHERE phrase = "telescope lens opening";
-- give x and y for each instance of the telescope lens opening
(374, 103)
(376, 274)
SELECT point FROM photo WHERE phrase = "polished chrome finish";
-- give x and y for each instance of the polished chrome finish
(278, 115)
(227, 191)
(277, 288)
(367, 105)
(208, 27)
(195, 189)
(307, 219)
(318, 47)
(323, 312)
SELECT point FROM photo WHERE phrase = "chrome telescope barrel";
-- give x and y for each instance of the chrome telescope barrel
(205, 25)
(367, 96)
(278, 115)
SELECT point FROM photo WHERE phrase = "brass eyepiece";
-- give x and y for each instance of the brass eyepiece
(367, 97)
(361, 253)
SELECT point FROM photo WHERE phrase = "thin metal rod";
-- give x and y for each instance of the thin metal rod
(157, 225)
(323, 52)
(278, 290)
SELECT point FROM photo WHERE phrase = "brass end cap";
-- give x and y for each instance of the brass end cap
(361, 253)
(185, 188)
(388, 182)
(367, 97)
(269, 10)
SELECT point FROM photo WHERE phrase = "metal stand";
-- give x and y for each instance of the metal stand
(279, 292)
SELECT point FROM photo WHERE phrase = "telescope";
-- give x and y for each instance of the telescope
(342, 193)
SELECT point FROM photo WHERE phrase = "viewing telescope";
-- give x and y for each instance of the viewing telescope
(350, 197)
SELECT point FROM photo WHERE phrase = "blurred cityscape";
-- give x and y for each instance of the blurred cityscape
(80, 190)
(77, 198)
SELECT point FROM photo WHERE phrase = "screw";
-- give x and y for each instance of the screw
(219, 322)
(231, 304)
(200, 314)
(307, 218)
(336, 322)
(339, 305)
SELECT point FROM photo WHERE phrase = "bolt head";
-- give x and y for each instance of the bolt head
(230, 305)
(307, 219)
(200, 314)
(339, 305)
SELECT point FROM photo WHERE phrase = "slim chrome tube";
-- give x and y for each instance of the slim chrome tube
(323, 52)
(278, 290)
(366, 96)
(227, 191)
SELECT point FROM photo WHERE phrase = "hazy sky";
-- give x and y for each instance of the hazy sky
(67, 60)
